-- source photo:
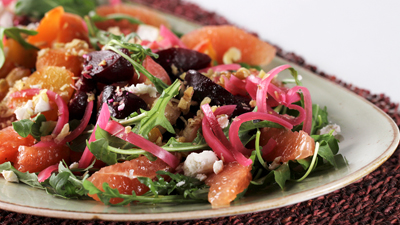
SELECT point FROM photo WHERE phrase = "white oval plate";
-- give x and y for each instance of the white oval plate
(370, 138)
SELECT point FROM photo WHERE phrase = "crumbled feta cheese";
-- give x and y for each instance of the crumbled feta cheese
(180, 183)
(24, 112)
(275, 163)
(10, 176)
(42, 105)
(223, 120)
(147, 32)
(218, 166)
(328, 128)
(74, 165)
(64, 132)
(199, 163)
(201, 177)
(141, 89)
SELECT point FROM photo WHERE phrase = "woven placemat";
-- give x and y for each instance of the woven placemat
(374, 199)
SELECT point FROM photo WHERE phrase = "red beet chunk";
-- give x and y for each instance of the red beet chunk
(107, 67)
(182, 59)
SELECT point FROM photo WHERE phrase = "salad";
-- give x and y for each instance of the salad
(107, 102)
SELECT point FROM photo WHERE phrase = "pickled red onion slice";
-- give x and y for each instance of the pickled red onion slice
(234, 129)
(170, 39)
(220, 136)
(84, 122)
(220, 150)
(63, 113)
(87, 156)
(118, 130)
(46, 173)
(263, 87)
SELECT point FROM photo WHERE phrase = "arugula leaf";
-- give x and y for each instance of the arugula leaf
(156, 115)
(23, 127)
(26, 126)
(65, 184)
(79, 143)
(108, 193)
(36, 129)
(101, 152)
(246, 129)
(30, 179)
(14, 33)
(319, 118)
(189, 187)
(282, 174)
(37, 8)
(326, 153)
(116, 42)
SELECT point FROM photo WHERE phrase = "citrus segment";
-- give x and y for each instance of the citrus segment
(225, 186)
(70, 28)
(9, 143)
(253, 50)
(48, 28)
(290, 145)
(60, 57)
(36, 159)
(123, 176)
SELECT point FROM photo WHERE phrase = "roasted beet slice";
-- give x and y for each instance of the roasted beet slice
(107, 67)
(182, 59)
(204, 87)
(121, 103)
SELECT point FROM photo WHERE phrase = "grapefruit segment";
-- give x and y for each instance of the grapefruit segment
(226, 185)
(36, 159)
(290, 145)
(10, 141)
(123, 176)
(253, 50)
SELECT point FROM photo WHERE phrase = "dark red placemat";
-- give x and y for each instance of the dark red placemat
(374, 199)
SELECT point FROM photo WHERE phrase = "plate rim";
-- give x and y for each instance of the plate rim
(231, 210)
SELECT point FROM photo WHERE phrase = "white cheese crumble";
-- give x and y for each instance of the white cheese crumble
(223, 120)
(218, 166)
(10, 176)
(42, 105)
(141, 89)
(24, 112)
(328, 128)
(199, 163)
(147, 32)
(201, 177)
(180, 183)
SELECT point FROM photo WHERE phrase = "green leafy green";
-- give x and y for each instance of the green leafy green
(282, 174)
(189, 187)
(14, 33)
(37, 8)
(319, 118)
(65, 184)
(30, 179)
(27, 127)
(156, 115)
(116, 42)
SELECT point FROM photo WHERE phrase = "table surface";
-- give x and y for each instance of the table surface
(357, 41)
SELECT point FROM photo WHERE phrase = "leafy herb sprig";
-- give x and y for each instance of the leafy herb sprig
(116, 42)
(14, 33)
